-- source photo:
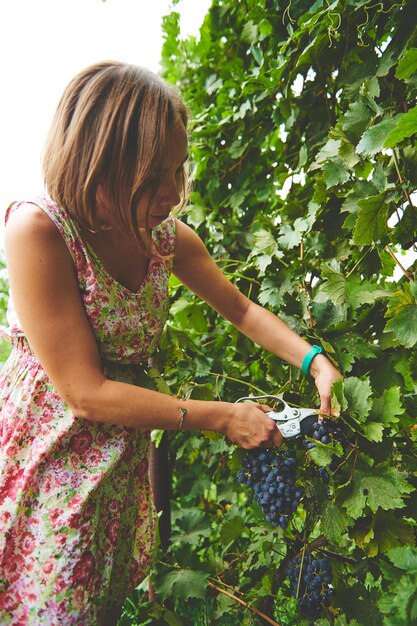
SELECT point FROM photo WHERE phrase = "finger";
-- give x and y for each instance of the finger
(265, 408)
(278, 439)
(325, 406)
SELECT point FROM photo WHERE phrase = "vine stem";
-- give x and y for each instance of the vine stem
(220, 582)
(402, 268)
(236, 380)
(401, 181)
(360, 261)
(400, 178)
(243, 603)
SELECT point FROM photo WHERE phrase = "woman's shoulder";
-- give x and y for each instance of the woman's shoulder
(26, 217)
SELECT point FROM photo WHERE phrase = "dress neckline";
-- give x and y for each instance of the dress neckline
(100, 266)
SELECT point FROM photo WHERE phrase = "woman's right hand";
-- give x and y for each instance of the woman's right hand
(250, 427)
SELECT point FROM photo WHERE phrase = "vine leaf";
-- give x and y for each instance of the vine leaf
(381, 533)
(183, 583)
(360, 291)
(291, 235)
(335, 285)
(406, 127)
(334, 522)
(404, 558)
(371, 223)
(358, 396)
(407, 64)
(351, 347)
(373, 431)
(372, 140)
(192, 527)
(335, 172)
(322, 454)
(403, 313)
(356, 119)
(388, 407)
(231, 529)
(378, 487)
(392, 531)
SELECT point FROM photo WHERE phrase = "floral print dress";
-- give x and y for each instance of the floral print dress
(77, 523)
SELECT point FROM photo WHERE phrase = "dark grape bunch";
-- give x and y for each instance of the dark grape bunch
(271, 475)
(313, 586)
(325, 431)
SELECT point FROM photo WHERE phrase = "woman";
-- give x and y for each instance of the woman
(89, 264)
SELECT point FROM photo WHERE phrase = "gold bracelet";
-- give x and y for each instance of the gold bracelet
(183, 414)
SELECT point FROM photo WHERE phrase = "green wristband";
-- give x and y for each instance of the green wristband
(313, 352)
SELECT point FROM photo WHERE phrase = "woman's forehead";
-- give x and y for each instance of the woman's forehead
(176, 150)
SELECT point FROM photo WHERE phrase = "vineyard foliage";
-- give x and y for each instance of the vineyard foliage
(303, 136)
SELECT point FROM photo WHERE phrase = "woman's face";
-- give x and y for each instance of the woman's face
(168, 177)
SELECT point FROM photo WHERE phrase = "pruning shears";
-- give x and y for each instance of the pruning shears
(291, 421)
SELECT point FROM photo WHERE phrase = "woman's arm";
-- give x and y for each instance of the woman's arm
(47, 300)
(196, 269)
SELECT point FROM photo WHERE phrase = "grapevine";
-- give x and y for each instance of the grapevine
(271, 474)
(272, 479)
(310, 581)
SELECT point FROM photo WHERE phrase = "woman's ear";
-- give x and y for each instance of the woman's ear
(101, 200)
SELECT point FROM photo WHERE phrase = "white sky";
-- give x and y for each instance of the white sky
(43, 44)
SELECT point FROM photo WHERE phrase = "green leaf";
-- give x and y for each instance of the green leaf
(193, 526)
(265, 28)
(371, 223)
(403, 313)
(328, 151)
(183, 583)
(265, 243)
(202, 392)
(338, 400)
(350, 348)
(407, 65)
(388, 408)
(250, 32)
(356, 119)
(157, 379)
(272, 293)
(333, 522)
(378, 487)
(291, 235)
(189, 315)
(322, 454)
(231, 529)
(406, 127)
(360, 291)
(196, 214)
(335, 285)
(373, 431)
(404, 558)
(358, 396)
(398, 601)
(391, 531)
(335, 172)
(348, 155)
(162, 615)
(373, 139)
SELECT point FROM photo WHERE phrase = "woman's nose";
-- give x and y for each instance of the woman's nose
(170, 195)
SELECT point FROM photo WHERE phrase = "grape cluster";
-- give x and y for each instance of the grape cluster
(313, 586)
(271, 475)
(325, 431)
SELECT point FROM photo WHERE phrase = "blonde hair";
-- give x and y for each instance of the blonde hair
(110, 129)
